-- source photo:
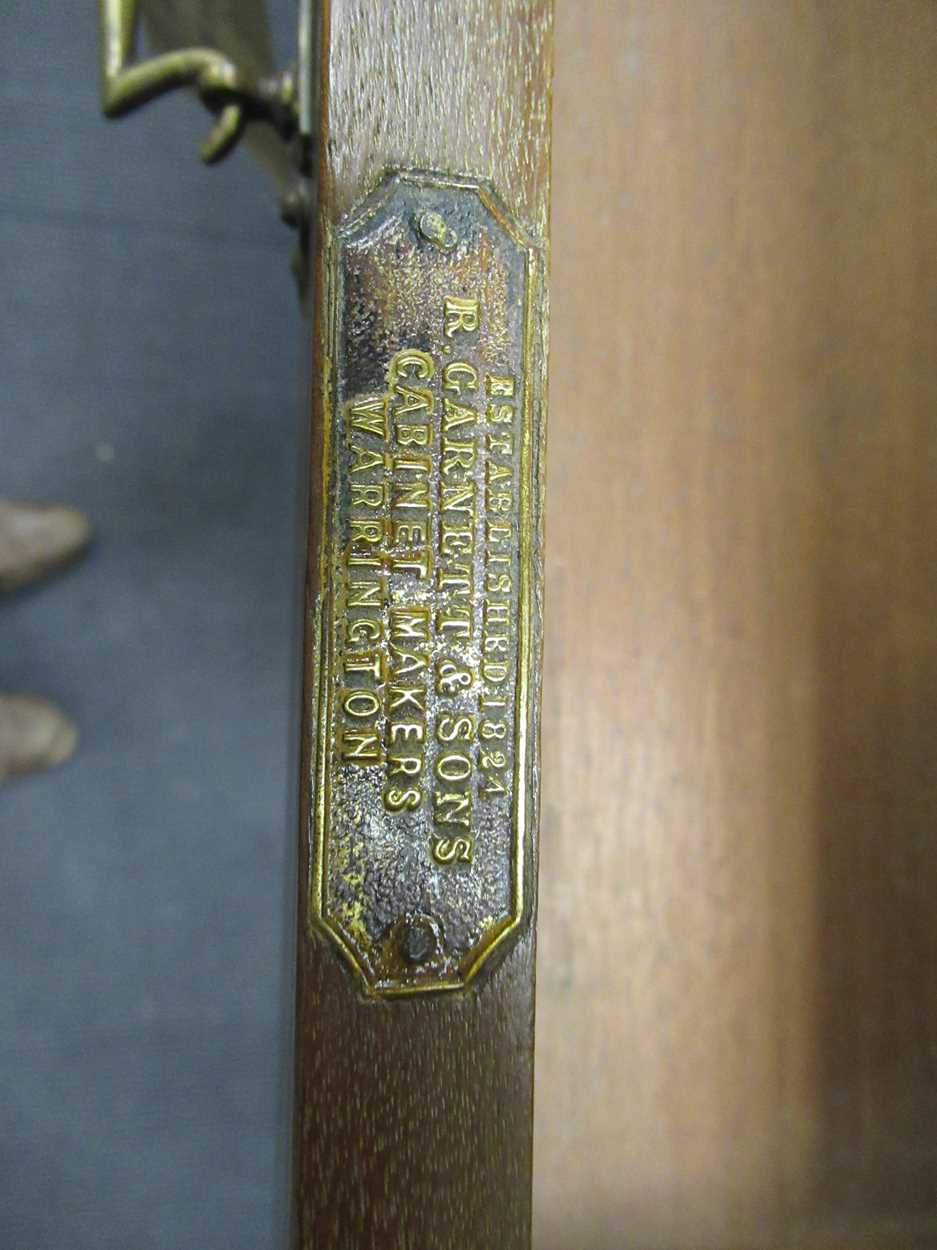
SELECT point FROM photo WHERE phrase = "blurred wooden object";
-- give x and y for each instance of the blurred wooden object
(737, 1012)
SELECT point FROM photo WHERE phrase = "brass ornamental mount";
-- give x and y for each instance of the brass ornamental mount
(233, 93)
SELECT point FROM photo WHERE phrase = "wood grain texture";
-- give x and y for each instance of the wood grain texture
(462, 87)
(737, 987)
(414, 1116)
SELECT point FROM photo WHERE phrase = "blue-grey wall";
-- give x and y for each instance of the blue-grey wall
(150, 349)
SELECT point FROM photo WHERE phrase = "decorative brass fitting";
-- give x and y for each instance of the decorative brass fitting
(229, 92)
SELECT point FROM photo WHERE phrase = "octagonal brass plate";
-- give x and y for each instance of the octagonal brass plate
(424, 663)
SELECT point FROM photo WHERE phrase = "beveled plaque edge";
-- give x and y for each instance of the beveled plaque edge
(525, 805)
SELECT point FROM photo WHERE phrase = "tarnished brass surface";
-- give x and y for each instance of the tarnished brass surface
(233, 91)
(423, 661)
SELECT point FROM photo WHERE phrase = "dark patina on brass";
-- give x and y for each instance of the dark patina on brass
(424, 663)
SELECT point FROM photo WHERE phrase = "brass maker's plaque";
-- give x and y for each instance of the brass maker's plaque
(425, 662)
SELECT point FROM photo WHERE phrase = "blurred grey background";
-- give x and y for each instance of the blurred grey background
(150, 349)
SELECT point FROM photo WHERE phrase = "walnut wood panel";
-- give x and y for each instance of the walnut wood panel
(414, 1116)
(737, 1013)
(457, 87)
